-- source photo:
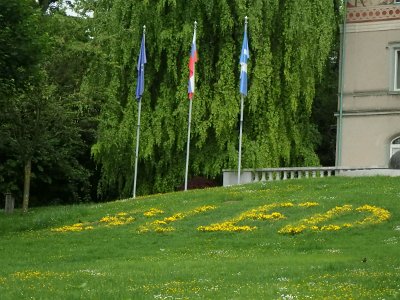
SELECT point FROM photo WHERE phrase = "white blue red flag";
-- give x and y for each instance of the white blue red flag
(193, 59)
(244, 56)
(140, 68)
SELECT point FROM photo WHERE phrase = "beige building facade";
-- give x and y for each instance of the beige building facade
(368, 117)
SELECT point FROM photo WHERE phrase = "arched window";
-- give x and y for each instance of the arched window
(394, 146)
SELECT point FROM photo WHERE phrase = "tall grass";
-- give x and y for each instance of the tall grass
(126, 262)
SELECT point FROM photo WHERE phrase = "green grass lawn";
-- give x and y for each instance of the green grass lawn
(330, 238)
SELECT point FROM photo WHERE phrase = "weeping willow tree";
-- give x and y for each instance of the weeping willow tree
(289, 44)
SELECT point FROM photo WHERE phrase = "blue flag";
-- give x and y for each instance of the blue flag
(244, 56)
(140, 68)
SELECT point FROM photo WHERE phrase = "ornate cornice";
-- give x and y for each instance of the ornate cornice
(373, 13)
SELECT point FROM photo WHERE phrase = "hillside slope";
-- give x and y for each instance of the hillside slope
(329, 238)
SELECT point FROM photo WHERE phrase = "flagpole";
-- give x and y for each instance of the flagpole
(241, 118)
(188, 144)
(190, 116)
(137, 147)
(240, 136)
(138, 134)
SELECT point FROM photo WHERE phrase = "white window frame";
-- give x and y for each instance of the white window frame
(396, 70)
(394, 52)
(394, 147)
(397, 1)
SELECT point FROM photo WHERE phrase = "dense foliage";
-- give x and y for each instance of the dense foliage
(67, 89)
(289, 45)
(43, 121)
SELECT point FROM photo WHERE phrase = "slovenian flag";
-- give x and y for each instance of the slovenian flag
(140, 68)
(244, 56)
(193, 59)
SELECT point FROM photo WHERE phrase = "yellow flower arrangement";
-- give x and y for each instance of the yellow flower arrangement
(225, 226)
(318, 218)
(117, 220)
(311, 223)
(163, 229)
(204, 208)
(261, 216)
(120, 218)
(72, 228)
(308, 204)
(330, 227)
(286, 204)
(161, 226)
(259, 213)
(378, 214)
(290, 229)
(159, 222)
(316, 222)
(153, 212)
(174, 217)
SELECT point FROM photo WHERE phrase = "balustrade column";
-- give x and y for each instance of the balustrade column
(263, 179)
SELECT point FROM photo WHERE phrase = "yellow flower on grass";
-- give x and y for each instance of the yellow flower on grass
(72, 228)
(118, 219)
(308, 204)
(225, 226)
(204, 208)
(290, 229)
(378, 214)
(159, 222)
(161, 226)
(286, 204)
(261, 216)
(174, 217)
(259, 213)
(153, 212)
(312, 221)
(330, 227)
(26, 275)
(163, 229)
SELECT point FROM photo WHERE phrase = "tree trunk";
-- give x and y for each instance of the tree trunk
(27, 185)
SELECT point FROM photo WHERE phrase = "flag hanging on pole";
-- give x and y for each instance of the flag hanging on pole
(192, 62)
(140, 68)
(244, 56)
(139, 92)
(193, 59)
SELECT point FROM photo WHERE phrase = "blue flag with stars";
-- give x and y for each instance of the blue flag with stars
(140, 68)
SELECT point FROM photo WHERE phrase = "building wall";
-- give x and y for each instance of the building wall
(366, 139)
(370, 110)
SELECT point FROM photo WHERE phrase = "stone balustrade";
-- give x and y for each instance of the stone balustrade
(271, 174)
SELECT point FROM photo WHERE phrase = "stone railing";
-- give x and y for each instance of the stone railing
(271, 174)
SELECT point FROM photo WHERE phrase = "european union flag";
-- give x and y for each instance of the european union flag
(140, 68)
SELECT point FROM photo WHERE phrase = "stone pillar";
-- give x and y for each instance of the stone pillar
(9, 203)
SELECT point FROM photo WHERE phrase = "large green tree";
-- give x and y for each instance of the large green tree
(289, 45)
(41, 115)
